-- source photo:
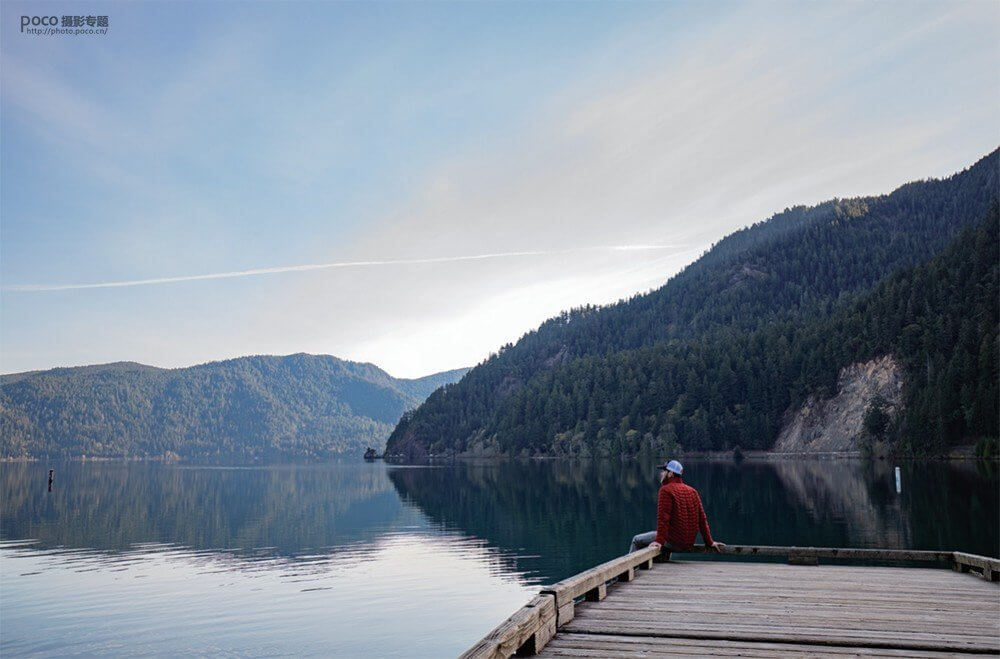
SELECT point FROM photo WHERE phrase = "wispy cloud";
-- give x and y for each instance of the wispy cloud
(418, 133)
(38, 288)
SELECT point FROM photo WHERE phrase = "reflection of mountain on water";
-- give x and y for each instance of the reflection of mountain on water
(557, 518)
(940, 505)
(550, 519)
(267, 512)
(860, 495)
(546, 519)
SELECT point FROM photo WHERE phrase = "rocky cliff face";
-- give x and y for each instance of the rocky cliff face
(835, 424)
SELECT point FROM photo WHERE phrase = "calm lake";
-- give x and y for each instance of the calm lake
(354, 558)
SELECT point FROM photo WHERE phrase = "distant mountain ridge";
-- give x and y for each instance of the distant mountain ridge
(296, 406)
(717, 357)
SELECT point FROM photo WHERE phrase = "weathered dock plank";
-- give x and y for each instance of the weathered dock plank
(989, 567)
(626, 608)
(905, 610)
(528, 630)
(593, 645)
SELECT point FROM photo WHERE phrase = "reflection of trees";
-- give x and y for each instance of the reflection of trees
(548, 519)
(557, 518)
(859, 496)
(282, 511)
(953, 506)
(751, 503)
(941, 506)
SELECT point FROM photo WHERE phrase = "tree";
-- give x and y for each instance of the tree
(876, 419)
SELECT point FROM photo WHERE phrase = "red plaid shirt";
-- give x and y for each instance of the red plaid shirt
(679, 515)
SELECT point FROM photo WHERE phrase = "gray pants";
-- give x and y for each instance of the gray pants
(642, 541)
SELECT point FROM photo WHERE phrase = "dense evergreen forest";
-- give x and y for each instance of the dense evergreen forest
(299, 406)
(718, 356)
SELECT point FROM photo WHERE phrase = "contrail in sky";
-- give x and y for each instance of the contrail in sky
(34, 288)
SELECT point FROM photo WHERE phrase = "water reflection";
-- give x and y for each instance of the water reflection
(544, 519)
(289, 560)
(415, 596)
(251, 513)
(413, 561)
(562, 517)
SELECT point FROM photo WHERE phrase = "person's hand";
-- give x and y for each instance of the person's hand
(717, 546)
(655, 545)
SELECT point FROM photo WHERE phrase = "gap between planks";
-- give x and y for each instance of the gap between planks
(608, 646)
(803, 639)
(654, 627)
(860, 616)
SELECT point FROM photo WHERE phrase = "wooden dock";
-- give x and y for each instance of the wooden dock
(646, 605)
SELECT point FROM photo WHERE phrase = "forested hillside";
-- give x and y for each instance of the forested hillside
(246, 408)
(716, 357)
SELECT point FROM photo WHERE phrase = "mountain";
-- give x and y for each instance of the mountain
(299, 406)
(718, 356)
(421, 388)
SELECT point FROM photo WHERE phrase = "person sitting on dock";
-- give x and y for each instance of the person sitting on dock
(679, 515)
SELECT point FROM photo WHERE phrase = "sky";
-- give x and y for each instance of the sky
(417, 184)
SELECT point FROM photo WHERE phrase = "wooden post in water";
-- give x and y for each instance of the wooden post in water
(51, 472)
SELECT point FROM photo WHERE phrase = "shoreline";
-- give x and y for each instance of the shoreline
(963, 453)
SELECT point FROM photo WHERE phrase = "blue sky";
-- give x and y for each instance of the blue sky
(207, 138)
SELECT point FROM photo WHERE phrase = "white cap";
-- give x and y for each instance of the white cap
(674, 467)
